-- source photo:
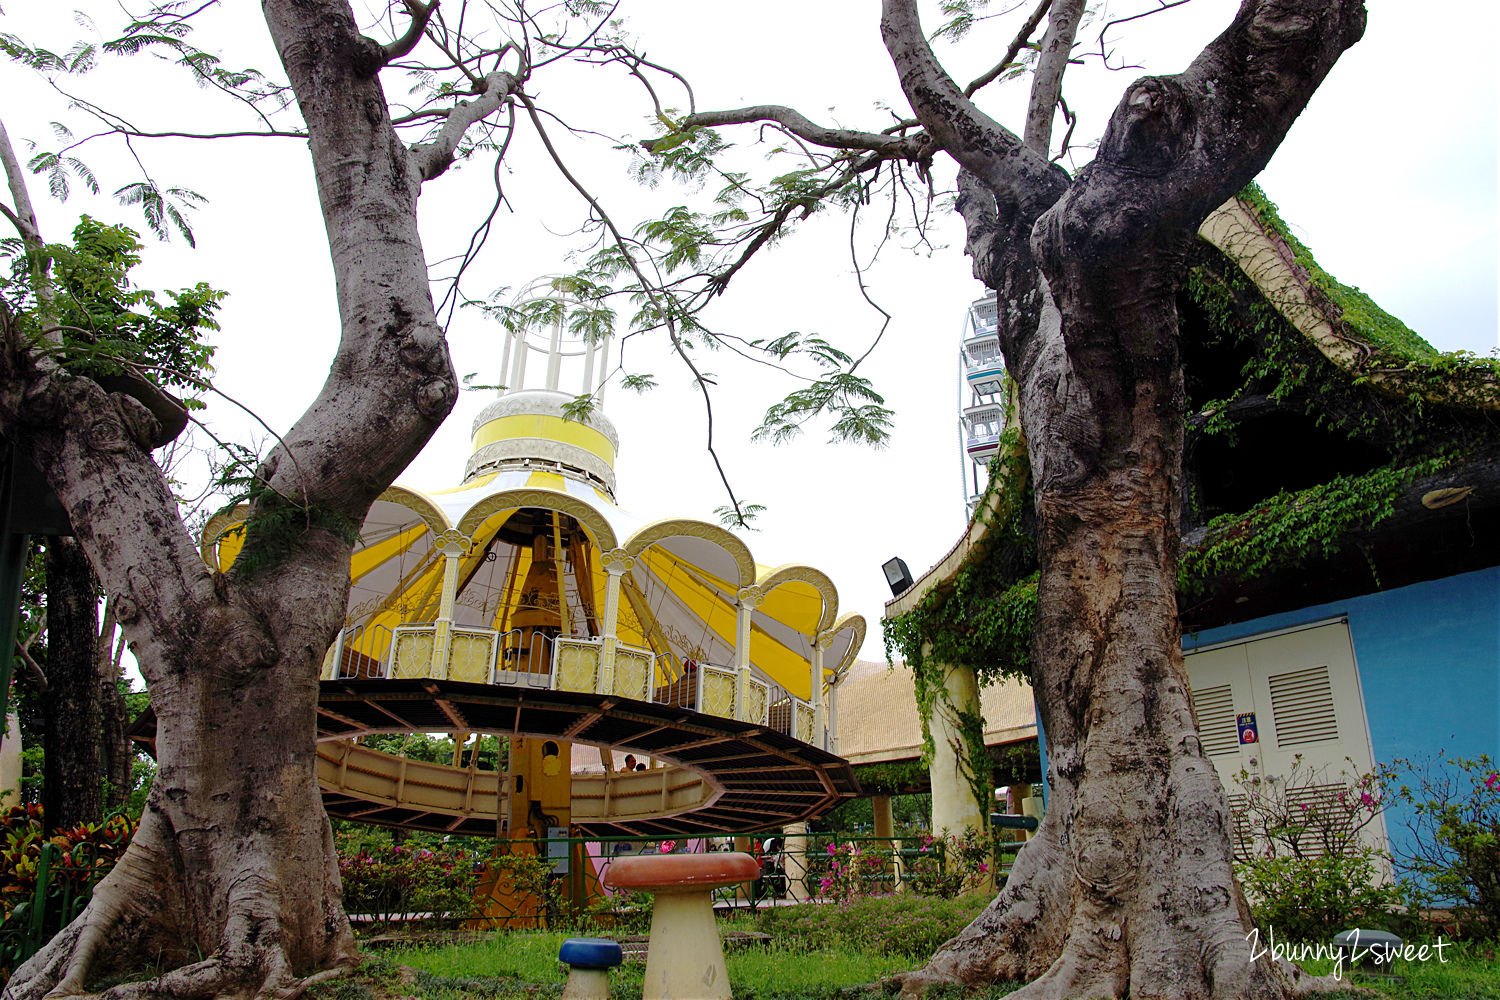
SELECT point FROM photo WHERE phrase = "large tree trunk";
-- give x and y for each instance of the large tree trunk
(72, 792)
(1128, 888)
(234, 857)
(232, 870)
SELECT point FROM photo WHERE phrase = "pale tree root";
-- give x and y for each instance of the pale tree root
(131, 905)
(1066, 944)
(1007, 940)
(250, 962)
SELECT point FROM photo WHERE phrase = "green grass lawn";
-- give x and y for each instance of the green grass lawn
(524, 965)
(1470, 973)
(512, 965)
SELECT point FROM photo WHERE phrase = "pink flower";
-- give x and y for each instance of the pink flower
(983, 868)
(1493, 781)
(1366, 799)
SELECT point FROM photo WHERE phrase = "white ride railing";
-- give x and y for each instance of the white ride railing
(532, 659)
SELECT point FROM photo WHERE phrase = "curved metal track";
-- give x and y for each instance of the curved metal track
(727, 776)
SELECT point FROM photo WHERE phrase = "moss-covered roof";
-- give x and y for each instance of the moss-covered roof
(1344, 323)
(1323, 409)
(1362, 317)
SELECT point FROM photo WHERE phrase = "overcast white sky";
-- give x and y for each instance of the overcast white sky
(1390, 178)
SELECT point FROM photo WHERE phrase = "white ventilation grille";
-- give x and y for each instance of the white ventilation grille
(1330, 815)
(1302, 707)
(1214, 709)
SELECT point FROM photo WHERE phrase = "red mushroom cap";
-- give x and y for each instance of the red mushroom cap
(658, 872)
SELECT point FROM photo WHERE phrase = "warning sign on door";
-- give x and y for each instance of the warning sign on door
(1248, 733)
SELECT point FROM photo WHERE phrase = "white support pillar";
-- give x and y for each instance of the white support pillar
(510, 339)
(554, 356)
(518, 370)
(833, 717)
(603, 368)
(589, 352)
(617, 563)
(453, 545)
(818, 692)
(750, 598)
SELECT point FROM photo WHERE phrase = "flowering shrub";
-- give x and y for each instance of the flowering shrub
(1300, 856)
(853, 870)
(45, 881)
(951, 865)
(1307, 813)
(1455, 852)
(402, 883)
(1313, 898)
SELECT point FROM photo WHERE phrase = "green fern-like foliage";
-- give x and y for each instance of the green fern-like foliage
(106, 324)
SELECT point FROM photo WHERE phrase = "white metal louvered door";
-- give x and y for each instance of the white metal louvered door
(1306, 685)
(1220, 683)
(1302, 688)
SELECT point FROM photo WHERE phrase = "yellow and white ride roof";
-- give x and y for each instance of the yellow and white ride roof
(550, 478)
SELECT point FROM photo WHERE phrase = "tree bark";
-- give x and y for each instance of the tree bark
(1128, 888)
(72, 792)
(232, 875)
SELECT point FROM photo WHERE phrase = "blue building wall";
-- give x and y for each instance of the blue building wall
(1429, 667)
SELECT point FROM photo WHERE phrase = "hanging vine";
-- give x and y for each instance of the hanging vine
(1440, 415)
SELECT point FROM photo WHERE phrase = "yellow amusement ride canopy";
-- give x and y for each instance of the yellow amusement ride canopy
(525, 603)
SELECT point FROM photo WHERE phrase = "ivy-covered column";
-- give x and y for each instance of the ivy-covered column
(885, 828)
(10, 763)
(953, 721)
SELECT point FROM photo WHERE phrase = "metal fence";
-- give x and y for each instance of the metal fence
(65, 880)
(559, 894)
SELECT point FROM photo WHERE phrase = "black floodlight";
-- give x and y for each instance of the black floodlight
(898, 576)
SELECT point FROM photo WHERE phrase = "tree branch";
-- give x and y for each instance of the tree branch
(431, 159)
(912, 148)
(652, 292)
(24, 216)
(992, 74)
(31, 664)
(24, 219)
(1184, 144)
(1009, 59)
(420, 13)
(980, 144)
(771, 228)
(1046, 83)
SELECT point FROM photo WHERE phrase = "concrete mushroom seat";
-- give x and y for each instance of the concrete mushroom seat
(686, 959)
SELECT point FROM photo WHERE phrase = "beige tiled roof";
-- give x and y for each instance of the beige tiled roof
(878, 713)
